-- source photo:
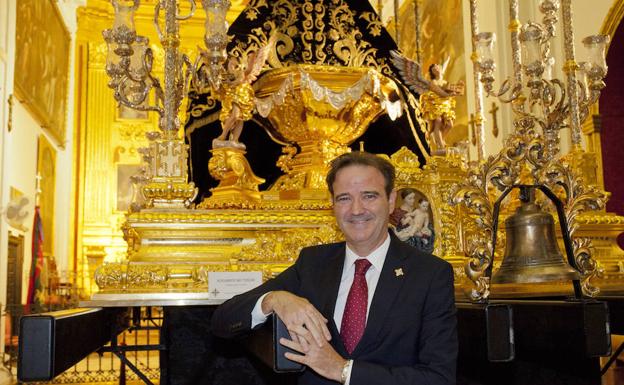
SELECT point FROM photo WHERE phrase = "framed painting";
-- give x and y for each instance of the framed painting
(412, 219)
(42, 64)
(46, 170)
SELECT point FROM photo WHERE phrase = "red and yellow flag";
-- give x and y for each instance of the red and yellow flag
(35, 285)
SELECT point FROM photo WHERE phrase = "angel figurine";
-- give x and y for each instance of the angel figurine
(237, 96)
(436, 96)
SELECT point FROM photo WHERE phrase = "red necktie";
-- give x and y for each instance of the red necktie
(354, 317)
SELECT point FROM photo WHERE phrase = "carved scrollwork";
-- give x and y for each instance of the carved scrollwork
(449, 241)
(578, 198)
(111, 275)
(406, 165)
(285, 160)
(146, 275)
(497, 173)
(231, 168)
(158, 278)
(284, 246)
(437, 181)
(524, 160)
(589, 267)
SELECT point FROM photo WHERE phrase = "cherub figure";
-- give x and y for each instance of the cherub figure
(237, 96)
(436, 96)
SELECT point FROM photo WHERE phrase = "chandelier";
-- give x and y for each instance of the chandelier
(129, 66)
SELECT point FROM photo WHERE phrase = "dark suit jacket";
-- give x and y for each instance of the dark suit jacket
(410, 335)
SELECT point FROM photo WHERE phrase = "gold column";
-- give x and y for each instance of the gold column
(397, 33)
(97, 140)
(417, 34)
(570, 68)
(514, 29)
(478, 119)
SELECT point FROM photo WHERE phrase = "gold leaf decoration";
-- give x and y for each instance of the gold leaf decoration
(284, 246)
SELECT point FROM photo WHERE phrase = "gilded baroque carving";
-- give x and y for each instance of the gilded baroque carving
(233, 217)
(599, 219)
(285, 160)
(238, 185)
(578, 197)
(308, 204)
(448, 214)
(299, 99)
(407, 166)
(284, 246)
(111, 275)
(167, 194)
(157, 278)
(133, 133)
(141, 276)
(97, 55)
(229, 166)
(438, 181)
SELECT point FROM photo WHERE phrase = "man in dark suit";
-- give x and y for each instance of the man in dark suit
(371, 310)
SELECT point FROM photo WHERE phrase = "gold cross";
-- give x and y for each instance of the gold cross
(494, 121)
(473, 130)
(10, 120)
(398, 272)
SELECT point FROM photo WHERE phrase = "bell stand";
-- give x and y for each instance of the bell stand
(527, 194)
(533, 341)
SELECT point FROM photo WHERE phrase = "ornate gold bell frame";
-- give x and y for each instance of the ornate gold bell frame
(532, 253)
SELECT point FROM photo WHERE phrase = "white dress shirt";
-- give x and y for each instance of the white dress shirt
(377, 258)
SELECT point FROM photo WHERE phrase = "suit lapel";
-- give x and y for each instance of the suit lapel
(329, 284)
(388, 287)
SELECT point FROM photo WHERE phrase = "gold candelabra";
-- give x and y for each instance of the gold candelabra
(129, 66)
(536, 97)
(538, 101)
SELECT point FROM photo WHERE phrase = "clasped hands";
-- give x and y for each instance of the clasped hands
(309, 333)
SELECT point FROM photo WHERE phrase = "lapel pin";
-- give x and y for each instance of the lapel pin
(398, 272)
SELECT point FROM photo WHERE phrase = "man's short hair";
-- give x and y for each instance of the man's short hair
(361, 158)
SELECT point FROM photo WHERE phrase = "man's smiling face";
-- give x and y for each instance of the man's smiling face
(362, 207)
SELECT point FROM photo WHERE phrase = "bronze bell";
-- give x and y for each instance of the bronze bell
(531, 252)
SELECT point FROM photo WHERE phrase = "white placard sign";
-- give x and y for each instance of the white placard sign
(225, 285)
